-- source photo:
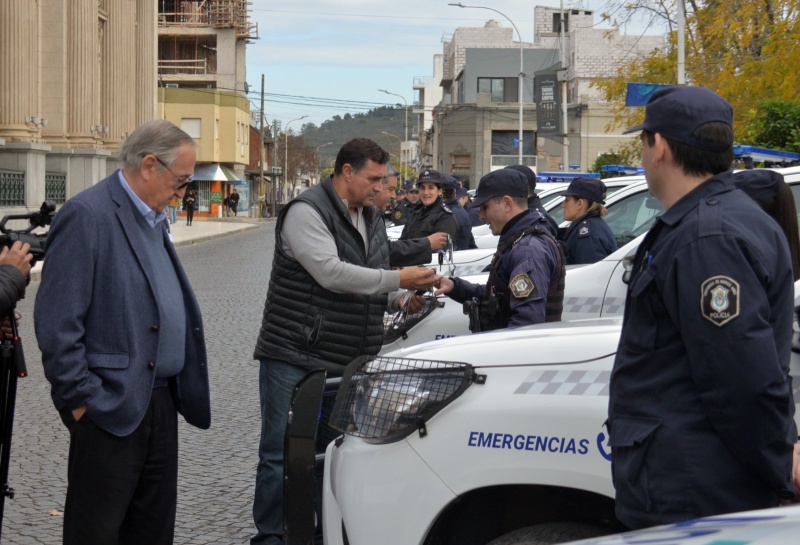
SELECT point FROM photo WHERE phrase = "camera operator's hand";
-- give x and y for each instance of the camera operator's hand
(5, 326)
(19, 255)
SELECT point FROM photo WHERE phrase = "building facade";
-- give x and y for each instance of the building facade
(76, 76)
(202, 89)
(475, 127)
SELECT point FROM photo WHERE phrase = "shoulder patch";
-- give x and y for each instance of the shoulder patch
(398, 214)
(521, 286)
(719, 300)
(446, 208)
(583, 230)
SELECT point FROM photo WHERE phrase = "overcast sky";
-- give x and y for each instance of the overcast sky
(326, 57)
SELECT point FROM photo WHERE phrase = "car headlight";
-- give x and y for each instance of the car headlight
(383, 400)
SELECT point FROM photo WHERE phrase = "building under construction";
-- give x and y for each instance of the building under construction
(202, 84)
(202, 43)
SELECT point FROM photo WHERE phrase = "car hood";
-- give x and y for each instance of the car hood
(555, 343)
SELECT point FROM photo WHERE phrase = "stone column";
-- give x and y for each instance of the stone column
(118, 71)
(146, 61)
(83, 51)
(19, 69)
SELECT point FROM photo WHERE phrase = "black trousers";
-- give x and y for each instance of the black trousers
(123, 490)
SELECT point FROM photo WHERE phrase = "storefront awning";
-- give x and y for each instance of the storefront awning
(214, 172)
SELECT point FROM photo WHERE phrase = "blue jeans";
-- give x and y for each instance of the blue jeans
(276, 380)
(173, 214)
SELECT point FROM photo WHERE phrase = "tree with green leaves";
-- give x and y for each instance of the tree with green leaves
(747, 51)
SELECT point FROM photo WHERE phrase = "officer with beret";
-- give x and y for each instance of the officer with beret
(588, 238)
(433, 216)
(700, 398)
(409, 202)
(463, 239)
(526, 278)
(534, 202)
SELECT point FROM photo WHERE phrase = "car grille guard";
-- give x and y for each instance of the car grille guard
(385, 399)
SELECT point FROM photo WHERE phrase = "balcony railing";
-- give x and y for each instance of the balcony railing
(193, 66)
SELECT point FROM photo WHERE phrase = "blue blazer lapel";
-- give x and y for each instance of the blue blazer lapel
(128, 223)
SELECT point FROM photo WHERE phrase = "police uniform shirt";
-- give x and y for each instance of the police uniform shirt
(463, 239)
(525, 270)
(700, 407)
(401, 211)
(535, 203)
(426, 220)
(588, 239)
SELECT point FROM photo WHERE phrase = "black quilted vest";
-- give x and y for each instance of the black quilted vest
(308, 325)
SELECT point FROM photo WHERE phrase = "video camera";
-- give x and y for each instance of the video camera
(41, 218)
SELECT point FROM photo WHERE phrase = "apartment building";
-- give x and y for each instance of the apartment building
(202, 88)
(475, 127)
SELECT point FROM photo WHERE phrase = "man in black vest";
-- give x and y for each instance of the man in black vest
(329, 288)
(526, 282)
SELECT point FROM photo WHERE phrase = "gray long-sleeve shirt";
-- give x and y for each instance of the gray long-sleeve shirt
(305, 238)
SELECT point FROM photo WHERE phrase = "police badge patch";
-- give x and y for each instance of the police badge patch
(719, 300)
(583, 231)
(521, 286)
(398, 214)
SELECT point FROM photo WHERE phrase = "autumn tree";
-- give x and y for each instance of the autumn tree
(745, 50)
(300, 160)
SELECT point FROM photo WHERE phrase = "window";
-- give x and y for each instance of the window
(191, 126)
(557, 22)
(55, 187)
(12, 188)
(500, 89)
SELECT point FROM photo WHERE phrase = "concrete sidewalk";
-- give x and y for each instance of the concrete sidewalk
(201, 230)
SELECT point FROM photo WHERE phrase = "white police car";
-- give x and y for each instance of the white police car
(469, 440)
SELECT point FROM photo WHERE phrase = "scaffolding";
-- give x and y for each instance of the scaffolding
(218, 14)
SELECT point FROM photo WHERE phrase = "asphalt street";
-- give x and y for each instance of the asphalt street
(230, 275)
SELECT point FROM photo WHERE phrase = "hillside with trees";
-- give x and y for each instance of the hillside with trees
(340, 129)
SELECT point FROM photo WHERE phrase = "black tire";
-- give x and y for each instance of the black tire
(549, 533)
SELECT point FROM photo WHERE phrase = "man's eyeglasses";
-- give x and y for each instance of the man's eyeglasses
(183, 181)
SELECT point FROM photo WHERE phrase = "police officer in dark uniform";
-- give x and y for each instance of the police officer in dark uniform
(700, 406)
(534, 202)
(463, 239)
(409, 202)
(433, 216)
(588, 238)
(526, 280)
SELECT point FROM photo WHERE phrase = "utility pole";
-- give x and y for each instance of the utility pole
(262, 186)
(564, 120)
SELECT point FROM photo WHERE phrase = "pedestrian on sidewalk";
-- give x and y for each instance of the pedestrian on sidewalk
(189, 202)
(233, 201)
(330, 286)
(122, 343)
(173, 209)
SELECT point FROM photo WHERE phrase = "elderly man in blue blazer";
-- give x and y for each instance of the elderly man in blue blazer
(122, 343)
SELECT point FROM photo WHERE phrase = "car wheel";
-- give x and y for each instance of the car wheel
(551, 532)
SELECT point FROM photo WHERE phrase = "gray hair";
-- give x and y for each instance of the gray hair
(158, 137)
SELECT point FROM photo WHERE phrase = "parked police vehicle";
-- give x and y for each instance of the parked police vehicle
(494, 438)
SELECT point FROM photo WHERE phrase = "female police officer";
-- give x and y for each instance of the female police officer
(433, 216)
(588, 238)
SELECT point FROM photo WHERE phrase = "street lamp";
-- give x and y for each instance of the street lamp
(286, 151)
(521, 67)
(316, 155)
(406, 130)
(400, 158)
